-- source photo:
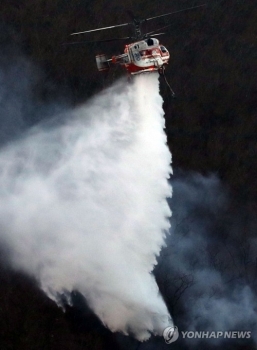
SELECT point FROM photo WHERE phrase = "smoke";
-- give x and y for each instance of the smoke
(19, 109)
(83, 205)
(207, 273)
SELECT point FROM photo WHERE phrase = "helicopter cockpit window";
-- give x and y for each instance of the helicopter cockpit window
(150, 42)
(163, 49)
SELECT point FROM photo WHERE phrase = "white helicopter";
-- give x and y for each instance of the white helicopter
(144, 54)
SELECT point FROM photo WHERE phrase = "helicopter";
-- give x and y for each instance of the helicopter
(144, 54)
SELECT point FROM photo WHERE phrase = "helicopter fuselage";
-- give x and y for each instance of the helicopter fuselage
(146, 55)
(139, 57)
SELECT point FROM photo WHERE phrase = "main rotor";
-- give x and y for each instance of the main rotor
(136, 24)
(137, 28)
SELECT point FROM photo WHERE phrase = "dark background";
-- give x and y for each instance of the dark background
(211, 125)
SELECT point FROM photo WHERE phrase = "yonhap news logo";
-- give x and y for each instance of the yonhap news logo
(216, 334)
(171, 334)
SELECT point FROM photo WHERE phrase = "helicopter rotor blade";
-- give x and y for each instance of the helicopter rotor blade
(103, 28)
(153, 35)
(171, 13)
(167, 26)
(156, 30)
(136, 22)
(97, 41)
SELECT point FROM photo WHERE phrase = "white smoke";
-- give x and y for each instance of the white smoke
(208, 268)
(83, 205)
